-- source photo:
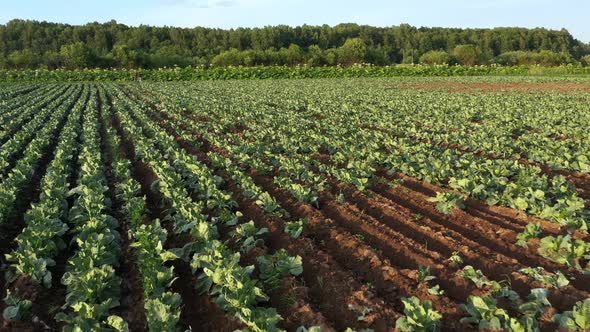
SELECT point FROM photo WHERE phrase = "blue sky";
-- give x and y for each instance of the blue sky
(570, 14)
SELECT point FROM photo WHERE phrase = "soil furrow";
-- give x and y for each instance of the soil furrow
(291, 297)
(197, 310)
(316, 275)
(408, 246)
(132, 301)
(494, 260)
(518, 218)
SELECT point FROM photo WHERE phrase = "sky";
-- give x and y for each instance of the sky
(570, 14)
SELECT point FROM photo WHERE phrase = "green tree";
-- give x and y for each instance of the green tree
(293, 55)
(77, 55)
(378, 56)
(467, 55)
(23, 59)
(435, 58)
(510, 58)
(125, 56)
(232, 57)
(544, 58)
(170, 56)
(353, 51)
(53, 60)
(315, 56)
(586, 60)
(549, 58)
(331, 56)
(113, 44)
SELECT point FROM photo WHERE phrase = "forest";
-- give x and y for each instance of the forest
(27, 44)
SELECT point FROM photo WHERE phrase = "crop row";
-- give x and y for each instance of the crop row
(253, 149)
(290, 205)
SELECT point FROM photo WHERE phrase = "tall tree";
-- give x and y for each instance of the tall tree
(32, 44)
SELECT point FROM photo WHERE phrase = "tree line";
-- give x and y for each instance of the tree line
(32, 44)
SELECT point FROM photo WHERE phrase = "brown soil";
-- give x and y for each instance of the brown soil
(470, 225)
(346, 247)
(332, 288)
(290, 299)
(378, 237)
(580, 180)
(498, 268)
(505, 217)
(324, 283)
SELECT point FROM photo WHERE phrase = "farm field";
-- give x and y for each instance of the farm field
(409, 204)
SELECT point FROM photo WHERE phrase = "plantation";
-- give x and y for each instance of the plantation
(335, 204)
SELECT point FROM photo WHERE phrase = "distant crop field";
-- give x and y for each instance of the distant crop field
(407, 204)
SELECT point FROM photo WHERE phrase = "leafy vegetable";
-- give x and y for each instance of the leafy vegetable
(273, 267)
(419, 316)
(295, 228)
(578, 319)
(446, 202)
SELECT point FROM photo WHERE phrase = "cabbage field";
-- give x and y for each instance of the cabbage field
(376, 204)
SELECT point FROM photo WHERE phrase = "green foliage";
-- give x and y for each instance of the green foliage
(543, 58)
(267, 135)
(435, 58)
(488, 316)
(112, 44)
(424, 274)
(435, 290)
(556, 279)
(420, 316)
(578, 319)
(456, 259)
(21, 59)
(295, 228)
(85, 318)
(531, 231)
(447, 201)
(278, 72)
(16, 309)
(565, 250)
(476, 276)
(484, 312)
(76, 55)
(274, 267)
(309, 329)
(162, 313)
(467, 55)
(236, 292)
(247, 236)
(268, 203)
(353, 51)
